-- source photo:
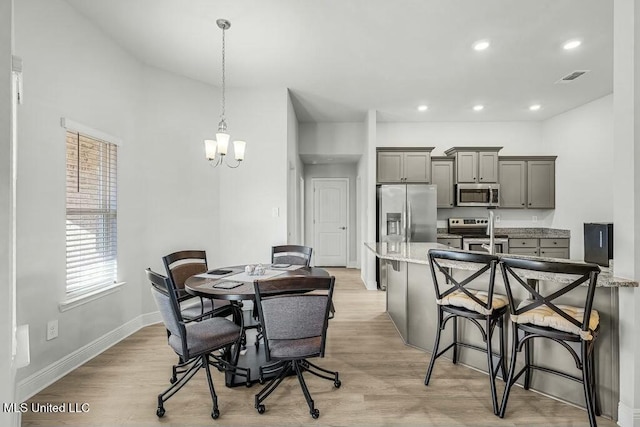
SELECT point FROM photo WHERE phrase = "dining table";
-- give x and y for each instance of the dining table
(235, 284)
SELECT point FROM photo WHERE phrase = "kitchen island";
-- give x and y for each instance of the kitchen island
(412, 308)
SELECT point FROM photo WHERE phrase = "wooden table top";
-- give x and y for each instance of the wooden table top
(203, 287)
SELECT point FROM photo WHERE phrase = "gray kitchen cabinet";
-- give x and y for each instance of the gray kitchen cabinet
(396, 165)
(544, 247)
(513, 183)
(442, 176)
(453, 242)
(562, 253)
(390, 166)
(524, 251)
(527, 182)
(475, 164)
(541, 184)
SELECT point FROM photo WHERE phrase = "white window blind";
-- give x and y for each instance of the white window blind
(91, 213)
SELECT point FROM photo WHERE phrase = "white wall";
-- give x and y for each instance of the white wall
(335, 170)
(582, 139)
(626, 200)
(249, 194)
(332, 138)
(295, 170)
(70, 70)
(7, 370)
(180, 197)
(517, 138)
(169, 197)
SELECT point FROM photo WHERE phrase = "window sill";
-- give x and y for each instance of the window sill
(78, 300)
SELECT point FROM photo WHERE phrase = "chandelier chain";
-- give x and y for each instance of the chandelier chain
(223, 75)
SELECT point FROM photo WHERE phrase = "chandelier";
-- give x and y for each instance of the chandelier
(216, 149)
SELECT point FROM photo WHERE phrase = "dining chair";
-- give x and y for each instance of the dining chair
(471, 298)
(284, 255)
(291, 254)
(179, 267)
(196, 343)
(544, 316)
(294, 312)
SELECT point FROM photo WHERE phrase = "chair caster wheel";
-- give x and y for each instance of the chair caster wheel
(261, 380)
(173, 380)
(248, 384)
(160, 412)
(337, 384)
(215, 414)
(315, 414)
(261, 409)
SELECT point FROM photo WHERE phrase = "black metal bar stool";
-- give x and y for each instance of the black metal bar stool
(543, 317)
(486, 310)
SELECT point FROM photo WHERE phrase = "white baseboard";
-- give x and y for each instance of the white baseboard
(628, 417)
(371, 285)
(36, 382)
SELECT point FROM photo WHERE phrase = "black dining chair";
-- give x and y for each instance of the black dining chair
(196, 343)
(285, 256)
(543, 316)
(291, 254)
(294, 312)
(472, 299)
(180, 266)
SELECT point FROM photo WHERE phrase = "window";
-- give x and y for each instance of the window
(91, 213)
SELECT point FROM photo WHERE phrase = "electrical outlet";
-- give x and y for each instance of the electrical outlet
(534, 218)
(497, 218)
(52, 329)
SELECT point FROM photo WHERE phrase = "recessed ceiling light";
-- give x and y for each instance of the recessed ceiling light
(534, 107)
(481, 45)
(478, 107)
(571, 44)
(423, 107)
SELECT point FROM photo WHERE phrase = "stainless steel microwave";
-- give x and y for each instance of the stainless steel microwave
(477, 194)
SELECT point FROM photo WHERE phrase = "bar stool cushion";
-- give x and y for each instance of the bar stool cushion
(460, 299)
(545, 316)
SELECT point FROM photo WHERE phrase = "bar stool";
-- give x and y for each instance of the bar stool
(542, 317)
(482, 308)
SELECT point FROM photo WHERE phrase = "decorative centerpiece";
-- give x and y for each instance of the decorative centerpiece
(255, 270)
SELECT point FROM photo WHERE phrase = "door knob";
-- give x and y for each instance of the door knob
(343, 228)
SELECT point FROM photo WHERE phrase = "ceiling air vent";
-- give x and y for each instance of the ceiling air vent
(572, 76)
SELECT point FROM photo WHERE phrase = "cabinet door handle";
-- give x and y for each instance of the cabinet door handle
(523, 204)
(529, 204)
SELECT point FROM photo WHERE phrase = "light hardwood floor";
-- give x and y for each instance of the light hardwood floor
(382, 384)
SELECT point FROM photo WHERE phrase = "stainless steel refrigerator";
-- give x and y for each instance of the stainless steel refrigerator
(405, 213)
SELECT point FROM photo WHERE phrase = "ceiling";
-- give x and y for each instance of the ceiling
(341, 58)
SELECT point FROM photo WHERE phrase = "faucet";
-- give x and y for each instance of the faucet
(491, 247)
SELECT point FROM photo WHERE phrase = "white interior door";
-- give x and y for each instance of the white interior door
(330, 219)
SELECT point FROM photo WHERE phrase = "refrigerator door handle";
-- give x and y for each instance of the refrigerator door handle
(409, 223)
(403, 226)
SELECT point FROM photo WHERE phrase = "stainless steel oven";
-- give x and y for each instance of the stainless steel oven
(478, 195)
(481, 244)
(474, 235)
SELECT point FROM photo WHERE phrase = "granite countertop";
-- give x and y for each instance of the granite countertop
(417, 253)
(518, 233)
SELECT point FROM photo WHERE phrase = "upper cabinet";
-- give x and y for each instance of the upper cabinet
(527, 182)
(475, 164)
(442, 176)
(404, 165)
